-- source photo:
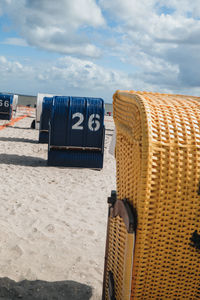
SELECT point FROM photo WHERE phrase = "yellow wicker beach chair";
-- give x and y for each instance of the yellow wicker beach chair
(153, 235)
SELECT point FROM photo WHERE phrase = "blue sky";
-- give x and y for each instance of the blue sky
(92, 48)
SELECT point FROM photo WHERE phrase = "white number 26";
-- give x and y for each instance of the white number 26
(93, 121)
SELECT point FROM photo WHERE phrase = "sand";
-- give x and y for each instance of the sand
(52, 220)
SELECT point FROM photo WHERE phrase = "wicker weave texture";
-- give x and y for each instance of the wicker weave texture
(158, 170)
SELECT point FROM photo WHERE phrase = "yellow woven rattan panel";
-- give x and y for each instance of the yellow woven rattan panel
(129, 151)
(158, 170)
(119, 256)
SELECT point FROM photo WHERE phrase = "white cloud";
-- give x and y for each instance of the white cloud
(9, 66)
(154, 36)
(157, 41)
(80, 77)
(72, 13)
(65, 76)
(15, 41)
(182, 7)
(85, 74)
(54, 27)
(140, 19)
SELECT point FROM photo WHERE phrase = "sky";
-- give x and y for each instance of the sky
(92, 48)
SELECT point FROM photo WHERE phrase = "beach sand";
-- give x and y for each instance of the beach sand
(52, 220)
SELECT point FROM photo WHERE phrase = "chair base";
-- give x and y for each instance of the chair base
(5, 117)
(77, 159)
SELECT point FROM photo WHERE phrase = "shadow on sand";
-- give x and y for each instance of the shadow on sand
(17, 127)
(22, 160)
(43, 290)
(10, 139)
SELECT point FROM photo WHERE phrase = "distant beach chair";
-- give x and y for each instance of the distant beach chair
(76, 132)
(45, 119)
(112, 143)
(40, 98)
(153, 233)
(8, 106)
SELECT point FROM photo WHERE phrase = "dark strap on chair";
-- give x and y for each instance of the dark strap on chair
(111, 286)
(123, 209)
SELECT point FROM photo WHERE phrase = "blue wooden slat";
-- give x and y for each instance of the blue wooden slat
(44, 119)
(59, 121)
